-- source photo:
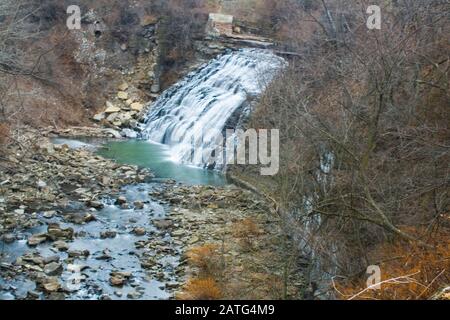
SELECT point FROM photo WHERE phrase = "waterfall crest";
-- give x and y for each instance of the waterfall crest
(199, 106)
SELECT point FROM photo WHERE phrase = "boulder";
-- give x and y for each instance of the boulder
(110, 108)
(53, 269)
(61, 245)
(49, 214)
(9, 238)
(121, 200)
(112, 117)
(98, 204)
(156, 88)
(109, 234)
(137, 106)
(124, 117)
(139, 205)
(55, 232)
(80, 218)
(50, 259)
(117, 123)
(99, 117)
(36, 239)
(139, 231)
(52, 285)
(114, 133)
(78, 253)
(118, 279)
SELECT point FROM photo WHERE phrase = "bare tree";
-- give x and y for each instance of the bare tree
(364, 149)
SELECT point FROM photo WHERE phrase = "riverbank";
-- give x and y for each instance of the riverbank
(77, 226)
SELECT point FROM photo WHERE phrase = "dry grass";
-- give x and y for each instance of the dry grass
(207, 259)
(246, 231)
(200, 289)
(408, 272)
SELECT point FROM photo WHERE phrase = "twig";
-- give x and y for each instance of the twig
(392, 280)
(431, 283)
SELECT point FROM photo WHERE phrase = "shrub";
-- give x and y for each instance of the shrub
(246, 231)
(200, 289)
(408, 271)
(206, 258)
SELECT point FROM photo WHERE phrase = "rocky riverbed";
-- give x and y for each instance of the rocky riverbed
(74, 225)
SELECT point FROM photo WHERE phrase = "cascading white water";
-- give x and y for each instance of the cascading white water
(199, 106)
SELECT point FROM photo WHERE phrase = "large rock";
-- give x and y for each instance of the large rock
(36, 239)
(9, 238)
(99, 117)
(80, 218)
(55, 232)
(163, 223)
(51, 285)
(53, 269)
(124, 117)
(61, 245)
(112, 117)
(139, 231)
(137, 106)
(109, 234)
(118, 279)
(110, 108)
(156, 88)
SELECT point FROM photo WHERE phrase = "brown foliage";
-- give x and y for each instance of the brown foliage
(4, 133)
(206, 258)
(246, 231)
(377, 102)
(429, 270)
(200, 289)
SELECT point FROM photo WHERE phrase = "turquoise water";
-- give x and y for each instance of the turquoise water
(157, 158)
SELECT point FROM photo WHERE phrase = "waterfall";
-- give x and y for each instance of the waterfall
(191, 112)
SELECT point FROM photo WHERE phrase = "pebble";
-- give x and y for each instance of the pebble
(61, 245)
(49, 214)
(163, 223)
(139, 231)
(121, 200)
(118, 278)
(9, 238)
(52, 286)
(138, 205)
(36, 239)
(108, 234)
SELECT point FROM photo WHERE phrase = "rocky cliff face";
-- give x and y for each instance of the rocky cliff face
(120, 59)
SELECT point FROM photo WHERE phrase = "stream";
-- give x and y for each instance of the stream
(110, 240)
(121, 249)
